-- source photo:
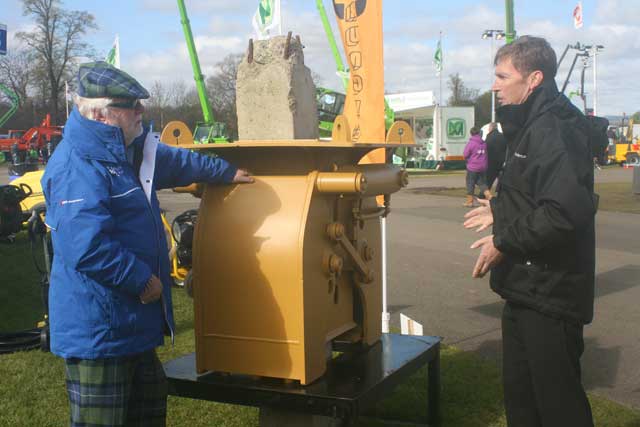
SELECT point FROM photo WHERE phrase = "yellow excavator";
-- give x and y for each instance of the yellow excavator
(625, 149)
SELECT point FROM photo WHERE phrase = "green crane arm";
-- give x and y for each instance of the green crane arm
(15, 102)
(342, 72)
(510, 27)
(207, 113)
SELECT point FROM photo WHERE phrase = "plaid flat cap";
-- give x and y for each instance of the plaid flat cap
(102, 80)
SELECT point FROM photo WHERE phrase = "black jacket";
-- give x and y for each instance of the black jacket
(544, 212)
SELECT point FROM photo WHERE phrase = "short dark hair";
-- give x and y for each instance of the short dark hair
(474, 131)
(528, 54)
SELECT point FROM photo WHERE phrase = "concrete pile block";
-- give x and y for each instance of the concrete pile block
(275, 94)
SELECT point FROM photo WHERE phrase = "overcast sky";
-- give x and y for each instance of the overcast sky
(153, 48)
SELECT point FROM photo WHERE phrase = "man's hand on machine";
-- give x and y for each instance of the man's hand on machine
(152, 291)
(242, 177)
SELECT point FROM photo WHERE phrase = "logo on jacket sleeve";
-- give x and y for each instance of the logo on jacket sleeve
(115, 170)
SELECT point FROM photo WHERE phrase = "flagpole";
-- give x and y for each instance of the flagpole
(441, 68)
(66, 96)
(595, 80)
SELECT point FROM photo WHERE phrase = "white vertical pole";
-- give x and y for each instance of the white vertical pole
(441, 69)
(493, 94)
(595, 84)
(385, 314)
(66, 96)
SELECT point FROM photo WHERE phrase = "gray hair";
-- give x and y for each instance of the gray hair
(90, 108)
(529, 54)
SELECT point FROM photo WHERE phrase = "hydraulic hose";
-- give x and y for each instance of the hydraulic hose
(20, 341)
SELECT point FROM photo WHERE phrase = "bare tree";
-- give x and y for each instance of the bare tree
(159, 96)
(158, 101)
(177, 93)
(57, 42)
(460, 94)
(17, 73)
(222, 92)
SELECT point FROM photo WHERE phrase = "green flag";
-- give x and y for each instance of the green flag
(113, 57)
(267, 18)
(437, 58)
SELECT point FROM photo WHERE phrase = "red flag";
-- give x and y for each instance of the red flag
(577, 16)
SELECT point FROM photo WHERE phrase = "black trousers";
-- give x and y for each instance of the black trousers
(473, 179)
(541, 370)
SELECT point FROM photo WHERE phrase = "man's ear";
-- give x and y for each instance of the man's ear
(535, 79)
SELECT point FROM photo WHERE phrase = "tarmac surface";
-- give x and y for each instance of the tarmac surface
(429, 277)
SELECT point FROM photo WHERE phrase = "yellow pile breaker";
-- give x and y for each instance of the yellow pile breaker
(288, 266)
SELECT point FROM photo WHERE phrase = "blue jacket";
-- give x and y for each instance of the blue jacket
(108, 238)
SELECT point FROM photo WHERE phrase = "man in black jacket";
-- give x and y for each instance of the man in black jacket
(542, 251)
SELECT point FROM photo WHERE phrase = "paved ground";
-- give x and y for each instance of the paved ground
(429, 277)
(429, 270)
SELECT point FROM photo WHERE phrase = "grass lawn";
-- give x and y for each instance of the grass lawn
(614, 196)
(32, 391)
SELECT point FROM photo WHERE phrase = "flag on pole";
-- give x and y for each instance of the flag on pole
(113, 57)
(267, 19)
(577, 15)
(437, 58)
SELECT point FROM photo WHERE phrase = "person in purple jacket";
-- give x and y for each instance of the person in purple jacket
(475, 153)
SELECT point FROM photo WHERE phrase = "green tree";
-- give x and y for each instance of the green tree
(636, 117)
(460, 94)
(482, 107)
(57, 42)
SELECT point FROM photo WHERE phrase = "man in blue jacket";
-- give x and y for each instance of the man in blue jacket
(110, 296)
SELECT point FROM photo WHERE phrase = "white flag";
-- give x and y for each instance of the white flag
(113, 57)
(577, 16)
(267, 19)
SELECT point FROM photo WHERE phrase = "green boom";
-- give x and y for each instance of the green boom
(15, 101)
(195, 64)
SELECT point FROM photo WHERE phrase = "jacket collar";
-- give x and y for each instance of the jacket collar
(514, 118)
(96, 140)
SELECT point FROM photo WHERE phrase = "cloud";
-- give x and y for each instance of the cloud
(410, 45)
(410, 41)
(173, 64)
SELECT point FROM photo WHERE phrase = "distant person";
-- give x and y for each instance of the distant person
(496, 153)
(475, 154)
(110, 294)
(599, 139)
(541, 253)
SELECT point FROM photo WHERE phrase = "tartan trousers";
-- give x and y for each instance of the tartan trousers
(122, 391)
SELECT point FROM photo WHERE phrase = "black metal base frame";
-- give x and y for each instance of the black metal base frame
(352, 384)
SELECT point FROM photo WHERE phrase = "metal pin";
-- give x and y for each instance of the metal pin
(250, 52)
